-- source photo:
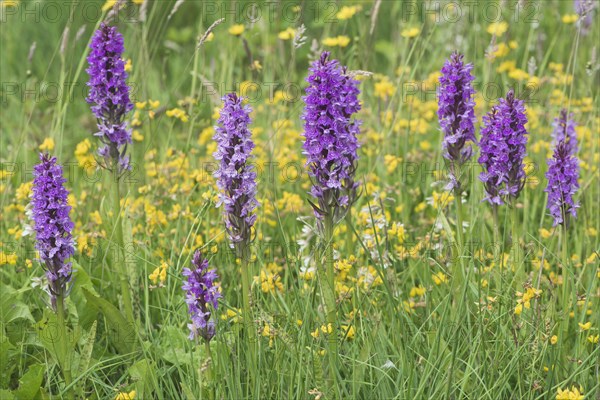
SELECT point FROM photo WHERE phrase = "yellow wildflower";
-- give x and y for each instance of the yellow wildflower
(569, 18)
(417, 291)
(236, 30)
(234, 315)
(341, 41)
(177, 113)
(384, 89)
(256, 66)
(9, 259)
(349, 332)
(572, 394)
(269, 282)
(545, 233)
(439, 278)
(108, 5)
(347, 12)
(585, 327)
(137, 136)
(518, 309)
(506, 66)
(96, 217)
(518, 74)
(47, 144)
(287, 34)
(497, 28)
(126, 396)
(410, 32)
(23, 191)
(159, 275)
(593, 339)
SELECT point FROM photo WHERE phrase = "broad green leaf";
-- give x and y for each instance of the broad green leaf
(143, 373)
(86, 350)
(129, 251)
(175, 347)
(48, 334)
(30, 382)
(6, 394)
(121, 332)
(85, 311)
(187, 391)
(11, 307)
(7, 353)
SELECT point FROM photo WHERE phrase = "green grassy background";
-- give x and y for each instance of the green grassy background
(407, 343)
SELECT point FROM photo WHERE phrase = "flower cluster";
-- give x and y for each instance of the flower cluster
(109, 95)
(503, 140)
(586, 10)
(456, 113)
(200, 293)
(330, 133)
(53, 226)
(562, 175)
(564, 131)
(236, 177)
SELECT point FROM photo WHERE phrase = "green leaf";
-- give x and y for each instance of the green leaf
(174, 347)
(29, 384)
(85, 311)
(86, 350)
(6, 394)
(187, 391)
(121, 332)
(48, 334)
(7, 353)
(143, 373)
(129, 251)
(11, 308)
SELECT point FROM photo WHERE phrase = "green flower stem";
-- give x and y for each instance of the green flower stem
(64, 348)
(250, 333)
(516, 251)
(458, 273)
(209, 375)
(566, 293)
(328, 287)
(120, 254)
(498, 252)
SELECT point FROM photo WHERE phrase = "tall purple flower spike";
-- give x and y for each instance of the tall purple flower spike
(503, 140)
(109, 94)
(53, 226)
(456, 114)
(330, 133)
(562, 175)
(586, 10)
(236, 177)
(564, 131)
(201, 294)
